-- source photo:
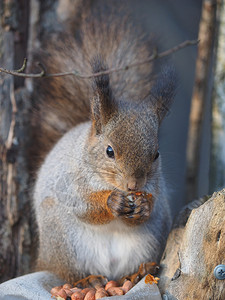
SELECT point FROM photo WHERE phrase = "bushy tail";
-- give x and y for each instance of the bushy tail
(63, 102)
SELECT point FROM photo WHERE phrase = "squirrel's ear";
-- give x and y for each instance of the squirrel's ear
(163, 92)
(103, 105)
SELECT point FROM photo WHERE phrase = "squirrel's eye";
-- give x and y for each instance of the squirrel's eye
(157, 155)
(110, 152)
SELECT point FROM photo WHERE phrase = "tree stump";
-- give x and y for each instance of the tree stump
(193, 251)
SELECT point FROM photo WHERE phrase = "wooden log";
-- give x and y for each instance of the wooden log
(193, 252)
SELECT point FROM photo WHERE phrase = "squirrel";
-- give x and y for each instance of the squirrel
(100, 199)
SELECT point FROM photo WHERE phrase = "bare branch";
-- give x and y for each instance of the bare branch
(43, 73)
(23, 66)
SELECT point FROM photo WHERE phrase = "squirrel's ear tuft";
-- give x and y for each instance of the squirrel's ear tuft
(163, 91)
(103, 105)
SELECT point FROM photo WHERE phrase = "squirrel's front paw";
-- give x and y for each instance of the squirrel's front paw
(133, 208)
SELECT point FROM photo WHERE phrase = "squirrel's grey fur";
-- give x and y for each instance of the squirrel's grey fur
(78, 119)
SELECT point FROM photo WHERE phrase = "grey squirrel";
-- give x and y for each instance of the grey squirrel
(99, 138)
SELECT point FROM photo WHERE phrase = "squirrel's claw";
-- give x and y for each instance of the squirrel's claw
(132, 208)
(144, 269)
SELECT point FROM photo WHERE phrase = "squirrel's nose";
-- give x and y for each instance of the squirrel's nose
(132, 184)
(136, 181)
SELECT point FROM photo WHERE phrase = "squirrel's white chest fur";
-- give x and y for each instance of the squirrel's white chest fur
(112, 250)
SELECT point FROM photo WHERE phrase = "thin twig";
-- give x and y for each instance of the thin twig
(109, 71)
(11, 187)
(23, 66)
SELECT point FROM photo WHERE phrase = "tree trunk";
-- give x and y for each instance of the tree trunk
(15, 243)
(201, 100)
(217, 167)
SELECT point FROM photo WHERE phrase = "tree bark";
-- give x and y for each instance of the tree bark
(201, 94)
(15, 242)
(217, 166)
(194, 250)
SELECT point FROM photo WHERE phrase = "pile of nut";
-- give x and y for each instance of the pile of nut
(68, 292)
